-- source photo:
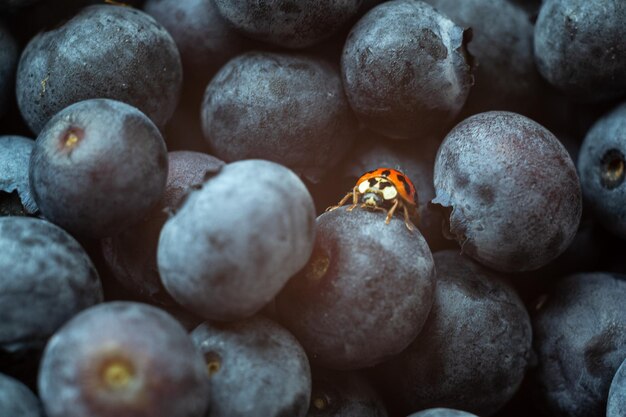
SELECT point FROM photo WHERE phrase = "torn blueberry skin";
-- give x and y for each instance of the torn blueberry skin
(509, 189)
(575, 368)
(131, 254)
(364, 294)
(474, 349)
(442, 412)
(123, 359)
(8, 64)
(103, 51)
(579, 47)
(406, 70)
(222, 275)
(98, 167)
(254, 364)
(343, 394)
(289, 109)
(602, 167)
(16, 400)
(287, 23)
(46, 269)
(14, 159)
(616, 405)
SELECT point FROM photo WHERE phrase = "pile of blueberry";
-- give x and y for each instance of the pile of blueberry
(337, 208)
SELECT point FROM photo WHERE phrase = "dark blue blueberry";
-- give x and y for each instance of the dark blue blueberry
(204, 39)
(257, 368)
(45, 278)
(343, 394)
(16, 400)
(502, 43)
(285, 108)
(14, 159)
(8, 63)
(288, 23)
(474, 349)
(131, 254)
(235, 242)
(123, 359)
(580, 49)
(511, 191)
(102, 52)
(442, 412)
(98, 167)
(616, 405)
(580, 340)
(364, 294)
(405, 69)
(602, 167)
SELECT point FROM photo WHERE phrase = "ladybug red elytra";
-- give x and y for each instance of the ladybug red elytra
(384, 189)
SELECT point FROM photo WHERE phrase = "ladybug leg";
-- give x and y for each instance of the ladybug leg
(355, 198)
(407, 221)
(343, 201)
(391, 211)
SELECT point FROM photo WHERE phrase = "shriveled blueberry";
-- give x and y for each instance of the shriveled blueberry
(123, 359)
(288, 23)
(602, 167)
(204, 39)
(257, 368)
(343, 394)
(284, 108)
(235, 242)
(16, 400)
(474, 349)
(45, 278)
(8, 63)
(580, 340)
(442, 412)
(364, 294)
(405, 69)
(579, 47)
(502, 43)
(511, 189)
(131, 254)
(98, 166)
(102, 52)
(14, 159)
(616, 405)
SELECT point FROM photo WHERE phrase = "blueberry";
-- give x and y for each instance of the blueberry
(8, 63)
(602, 168)
(442, 412)
(580, 342)
(256, 368)
(475, 346)
(405, 69)
(123, 359)
(131, 255)
(285, 108)
(235, 242)
(511, 190)
(579, 47)
(364, 294)
(288, 23)
(103, 52)
(14, 158)
(502, 43)
(343, 394)
(616, 405)
(46, 278)
(97, 167)
(204, 39)
(16, 400)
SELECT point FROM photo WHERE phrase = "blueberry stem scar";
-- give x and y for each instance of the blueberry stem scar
(117, 374)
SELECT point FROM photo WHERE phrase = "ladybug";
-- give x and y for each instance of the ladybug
(384, 189)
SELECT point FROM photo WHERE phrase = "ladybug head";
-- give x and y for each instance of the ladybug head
(375, 192)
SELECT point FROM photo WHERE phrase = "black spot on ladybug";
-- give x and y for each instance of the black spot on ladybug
(384, 185)
(386, 173)
(405, 184)
(372, 182)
